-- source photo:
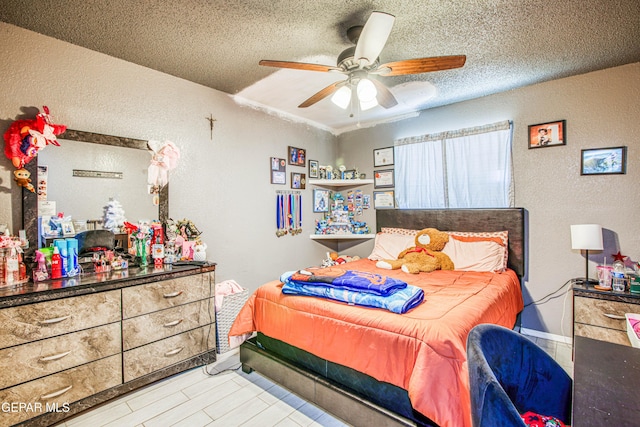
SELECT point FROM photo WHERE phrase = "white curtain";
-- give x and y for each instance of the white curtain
(467, 168)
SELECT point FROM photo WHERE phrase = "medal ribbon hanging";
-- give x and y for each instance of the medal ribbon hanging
(288, 213)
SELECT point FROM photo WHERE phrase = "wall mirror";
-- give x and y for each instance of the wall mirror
(105, 167)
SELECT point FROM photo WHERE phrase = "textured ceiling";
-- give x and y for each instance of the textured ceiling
(508, 44)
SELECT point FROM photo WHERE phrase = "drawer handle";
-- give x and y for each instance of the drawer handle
(55, 320)
(173, 352)
(614, 316)
(173, 294)
(56, 393)
(54, 357)
(174, 323)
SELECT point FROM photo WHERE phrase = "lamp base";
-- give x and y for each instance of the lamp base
(585, 282)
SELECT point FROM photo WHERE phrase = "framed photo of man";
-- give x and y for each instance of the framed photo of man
(548, 134)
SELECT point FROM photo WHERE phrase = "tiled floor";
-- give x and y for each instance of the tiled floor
(228, 398)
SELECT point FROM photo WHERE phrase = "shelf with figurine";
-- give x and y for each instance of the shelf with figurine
(339, 222)
(339, 182)
(339, 177)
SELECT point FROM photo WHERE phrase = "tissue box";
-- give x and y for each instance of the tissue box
(633, 325)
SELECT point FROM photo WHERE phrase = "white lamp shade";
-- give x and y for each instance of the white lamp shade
(587, 237)
(342, 97)
(366, 91)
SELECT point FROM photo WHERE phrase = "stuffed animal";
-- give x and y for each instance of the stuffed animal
(25, 138)
(424, 256)
(22, 177)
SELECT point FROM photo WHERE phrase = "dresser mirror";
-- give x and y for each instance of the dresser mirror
(105, 167)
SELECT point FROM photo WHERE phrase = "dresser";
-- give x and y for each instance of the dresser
(600, 315)
(70, 344)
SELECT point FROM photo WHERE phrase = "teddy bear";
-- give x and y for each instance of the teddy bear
(425, 256)
(22, 177)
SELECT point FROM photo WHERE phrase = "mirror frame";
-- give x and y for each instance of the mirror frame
(30, 200)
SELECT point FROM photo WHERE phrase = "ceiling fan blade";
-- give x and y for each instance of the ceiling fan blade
(298, 65)
(318, 96)
(421, 65)
(384, 96)
(373, 37)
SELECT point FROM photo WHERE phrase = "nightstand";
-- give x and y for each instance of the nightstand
(600, 314)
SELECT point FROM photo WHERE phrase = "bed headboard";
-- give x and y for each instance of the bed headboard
(511, 219)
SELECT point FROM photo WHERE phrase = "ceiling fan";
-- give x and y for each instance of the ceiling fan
(361, 61)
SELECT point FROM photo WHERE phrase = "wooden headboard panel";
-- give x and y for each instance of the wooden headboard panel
(511, 219)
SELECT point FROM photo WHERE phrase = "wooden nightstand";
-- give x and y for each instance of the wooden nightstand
(600, 314)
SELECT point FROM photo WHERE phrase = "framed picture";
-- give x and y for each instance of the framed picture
(278, 171)
(382, 157)
(313, 169)
(384, 199)
(383, 178)
(297, 156)
(603, 161)
(350, 174)
(298, 180)
(548, 134)
(320, 200)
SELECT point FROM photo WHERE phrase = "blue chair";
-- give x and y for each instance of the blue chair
(510, 375)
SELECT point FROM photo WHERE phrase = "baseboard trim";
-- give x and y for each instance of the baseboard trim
(546, 335)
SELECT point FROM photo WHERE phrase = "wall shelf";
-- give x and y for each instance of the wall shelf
(342, 236)
(339, 182)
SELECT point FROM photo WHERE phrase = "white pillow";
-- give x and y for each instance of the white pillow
(483, 255)
(389, 246)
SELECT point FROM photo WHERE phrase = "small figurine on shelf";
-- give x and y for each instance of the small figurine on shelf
(199, 251)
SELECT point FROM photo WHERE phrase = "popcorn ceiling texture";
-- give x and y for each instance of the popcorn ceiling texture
(218, 44)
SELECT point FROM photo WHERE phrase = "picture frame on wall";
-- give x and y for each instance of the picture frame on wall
(298, 181)
(603, 161)
(320, 200)
(383, 178)
(314, 167)
(384, 199)
(548, 134)
(297, 156)
(382, 157)
(278, 171)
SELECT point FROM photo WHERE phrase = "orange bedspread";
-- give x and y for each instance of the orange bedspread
(422, 351)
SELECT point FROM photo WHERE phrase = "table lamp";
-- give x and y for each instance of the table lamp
(587, 237)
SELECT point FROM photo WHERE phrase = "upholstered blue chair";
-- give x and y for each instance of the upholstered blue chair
(510, 375)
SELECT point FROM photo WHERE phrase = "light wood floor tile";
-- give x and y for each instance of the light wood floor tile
(230, 398)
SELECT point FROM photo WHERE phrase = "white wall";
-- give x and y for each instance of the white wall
(601, 110)
(223, 184)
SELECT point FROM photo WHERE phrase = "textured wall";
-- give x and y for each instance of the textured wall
(222, 185)
(601, 110)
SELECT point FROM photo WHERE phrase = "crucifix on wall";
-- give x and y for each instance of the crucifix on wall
(211, 120)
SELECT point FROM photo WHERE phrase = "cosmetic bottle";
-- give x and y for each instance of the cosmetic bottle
(56, 264)
(11, 267)
(63, 251)
(72, 257)
(22, 268)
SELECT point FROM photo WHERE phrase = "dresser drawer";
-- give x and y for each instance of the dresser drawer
(151, 357)
(156, 296)
(601, 312)
(141, 330)
(32, 322)
(601, 334)
(61, 389)
(26, 362)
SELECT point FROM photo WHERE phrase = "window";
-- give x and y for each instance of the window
(467, 168)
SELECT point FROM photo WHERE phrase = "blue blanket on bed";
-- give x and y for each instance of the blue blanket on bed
(339, 278)
(400, 301)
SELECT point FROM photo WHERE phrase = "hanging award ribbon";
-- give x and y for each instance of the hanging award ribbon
(280, 215)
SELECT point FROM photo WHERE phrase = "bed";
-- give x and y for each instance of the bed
(373, 367)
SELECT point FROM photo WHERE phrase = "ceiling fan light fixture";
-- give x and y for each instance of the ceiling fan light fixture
(367, 105)
(342, 97)
(366, 91)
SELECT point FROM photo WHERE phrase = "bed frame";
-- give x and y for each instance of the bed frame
(354, 397)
